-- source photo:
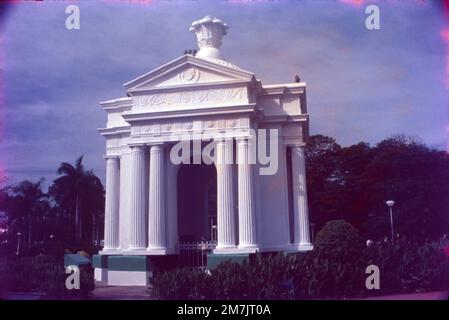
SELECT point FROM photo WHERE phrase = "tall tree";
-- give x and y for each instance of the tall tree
(322, 156)
(353, 183)
(26, 206)
(79, 193)
(417, 178)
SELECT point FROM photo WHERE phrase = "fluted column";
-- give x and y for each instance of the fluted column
(157, 212)
(111, 236)
(300, 210)
(137, 197)
(124, 211)
(225, 197)
(246, 201)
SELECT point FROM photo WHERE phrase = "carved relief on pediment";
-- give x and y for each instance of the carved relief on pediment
(190, 75)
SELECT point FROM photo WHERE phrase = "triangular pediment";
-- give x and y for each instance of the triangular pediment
(189, 71)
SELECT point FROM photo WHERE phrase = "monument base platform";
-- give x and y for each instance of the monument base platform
(129, 270)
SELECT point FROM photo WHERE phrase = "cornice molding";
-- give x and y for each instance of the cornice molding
(114, 130)
(237, 109)
(190, 86)
(280, 89)
(132, 85)
(120, 103)
(285, 118)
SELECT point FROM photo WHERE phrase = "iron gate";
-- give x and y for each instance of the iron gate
(194, 254)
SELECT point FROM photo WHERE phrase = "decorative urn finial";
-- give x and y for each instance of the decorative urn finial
(209, 32)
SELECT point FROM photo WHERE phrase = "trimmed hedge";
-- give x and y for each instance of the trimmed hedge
(334, 269)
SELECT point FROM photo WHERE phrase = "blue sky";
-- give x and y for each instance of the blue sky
(363, 85)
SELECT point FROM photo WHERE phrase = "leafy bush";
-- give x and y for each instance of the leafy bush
(408, 267)
(272, 276)
(334, 269)
(265, 277)
(185, 283)
(44, 274)
(229, 280)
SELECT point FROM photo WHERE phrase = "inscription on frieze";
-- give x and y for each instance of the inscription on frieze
(191, 97)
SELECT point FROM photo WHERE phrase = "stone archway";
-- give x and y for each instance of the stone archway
(197, 202)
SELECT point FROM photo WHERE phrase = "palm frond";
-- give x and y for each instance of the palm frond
(79, 164)
(66, 169)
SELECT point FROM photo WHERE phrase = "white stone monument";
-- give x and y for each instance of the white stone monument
(186, 161)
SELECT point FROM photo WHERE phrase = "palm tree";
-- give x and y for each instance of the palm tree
(79, 192)
(26, 205)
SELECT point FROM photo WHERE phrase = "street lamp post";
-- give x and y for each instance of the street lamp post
(18, 243)
(390, 204)
(312, 227)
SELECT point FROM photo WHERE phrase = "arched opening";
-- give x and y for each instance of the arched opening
(197, 203)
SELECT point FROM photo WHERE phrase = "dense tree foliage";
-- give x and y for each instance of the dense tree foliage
(72, 210)
(353, 183)
(28, 209)
(78, 195)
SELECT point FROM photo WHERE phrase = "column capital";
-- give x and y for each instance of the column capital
(245, 139)
(107, 157)
(223, 140)
(120, 156)
(134, 146)
(156, 144)
(298, 149)
(300, 146)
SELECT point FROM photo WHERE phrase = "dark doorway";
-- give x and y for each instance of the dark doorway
(197, 202)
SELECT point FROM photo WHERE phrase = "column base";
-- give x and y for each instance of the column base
(226, 249)
(117, 252)
(139, 252)
(248, 248)
(107, 250)
(276, 248)
(305, 246)
(158, 251)
(136, 249)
